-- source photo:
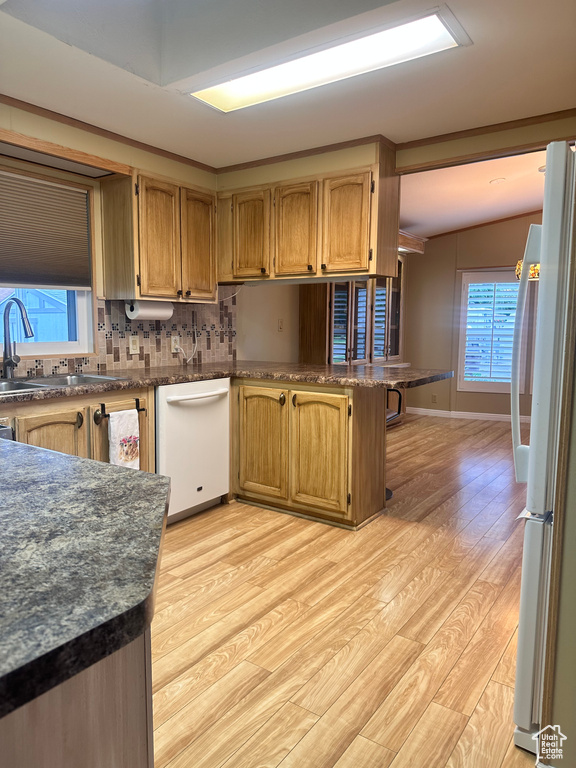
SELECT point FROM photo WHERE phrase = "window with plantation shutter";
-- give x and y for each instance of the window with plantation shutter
(488, 314)
(380, 297)
(340, 323)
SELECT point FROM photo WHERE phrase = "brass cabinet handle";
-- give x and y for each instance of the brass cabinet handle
(294, 400)
(188, 293)
(179, 292)
(322, 266)
(310, 268)
(79, 419)
(263, 270)
(282, 398)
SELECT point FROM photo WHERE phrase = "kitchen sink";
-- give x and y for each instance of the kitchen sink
(10, 385)
(73, 380)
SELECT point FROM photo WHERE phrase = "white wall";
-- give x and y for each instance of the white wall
(258, 310)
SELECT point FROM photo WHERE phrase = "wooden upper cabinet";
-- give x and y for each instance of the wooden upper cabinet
(198, 232)
(319, 451)
(346, 223)
(263, 436)
(251, 233)
(63, 431)
(159, 211)
(296, 217)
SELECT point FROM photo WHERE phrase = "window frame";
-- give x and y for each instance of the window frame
(387, 359)
(468, 277)
(86, 306)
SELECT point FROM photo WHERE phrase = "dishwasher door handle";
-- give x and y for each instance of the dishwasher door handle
(200, 396)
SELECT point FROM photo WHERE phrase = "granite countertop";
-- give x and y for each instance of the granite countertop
(80, 547)
(342, 375)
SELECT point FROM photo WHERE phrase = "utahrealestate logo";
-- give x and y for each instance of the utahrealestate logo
(550, 741)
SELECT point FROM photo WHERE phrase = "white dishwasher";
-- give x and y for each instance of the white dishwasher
(193, 443)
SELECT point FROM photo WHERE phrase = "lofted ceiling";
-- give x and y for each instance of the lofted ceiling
(434, 202)
(126, 66)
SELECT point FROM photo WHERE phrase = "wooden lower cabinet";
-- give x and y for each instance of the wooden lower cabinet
(319, 451)
(63, 431)
(74, 430)
(316, 451)
(99, 446)
(263, 420)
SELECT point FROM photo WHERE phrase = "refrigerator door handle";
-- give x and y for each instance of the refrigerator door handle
(531, 256)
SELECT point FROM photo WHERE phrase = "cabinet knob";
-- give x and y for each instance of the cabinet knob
(322, 266)
(294, 400)
(79, 419)
(310, 268)
(282, 398)
(263, 270)
(188, 293)
(179, 292)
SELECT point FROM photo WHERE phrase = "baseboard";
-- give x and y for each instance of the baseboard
(465, 415)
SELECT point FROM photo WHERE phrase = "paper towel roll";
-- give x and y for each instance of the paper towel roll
(149, 310)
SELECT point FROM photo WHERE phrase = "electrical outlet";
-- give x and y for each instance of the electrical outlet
(134, 345)
(434, 398)
(174, 343)
(280, 324)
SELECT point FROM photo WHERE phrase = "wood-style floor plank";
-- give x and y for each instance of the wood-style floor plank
(280, 641)
(486, 738)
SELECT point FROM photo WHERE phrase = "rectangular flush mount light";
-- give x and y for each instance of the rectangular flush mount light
(411, 40)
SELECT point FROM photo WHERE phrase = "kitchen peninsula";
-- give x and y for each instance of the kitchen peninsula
(80, 548)
(307, 439)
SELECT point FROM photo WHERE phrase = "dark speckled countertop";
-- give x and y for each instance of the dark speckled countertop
(78, 557)
(342, 375)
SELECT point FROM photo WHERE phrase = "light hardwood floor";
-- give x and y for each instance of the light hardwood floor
(283, 642)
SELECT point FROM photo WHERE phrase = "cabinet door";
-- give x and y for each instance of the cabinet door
(319, 451)
(264, 441)
(198, 224)
(251, 225)
(100, 449)
(160, 262)
(64, 431)
(346, 223)
(296, 217)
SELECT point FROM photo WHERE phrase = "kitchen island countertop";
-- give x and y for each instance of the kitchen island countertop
(337, 375)
(80, 548)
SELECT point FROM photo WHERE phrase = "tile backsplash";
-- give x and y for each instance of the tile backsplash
(212, 325)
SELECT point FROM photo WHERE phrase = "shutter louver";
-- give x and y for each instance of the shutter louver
(340, 327)
(360, 321)
(44, 235)
(380, 321)
(491, 311)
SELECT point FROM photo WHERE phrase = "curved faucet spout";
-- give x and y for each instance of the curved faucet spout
(11, 359)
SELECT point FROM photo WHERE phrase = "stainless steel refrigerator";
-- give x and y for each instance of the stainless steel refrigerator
(551, 245)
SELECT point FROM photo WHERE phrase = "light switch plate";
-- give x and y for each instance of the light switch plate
(134, 345)
(174, 343)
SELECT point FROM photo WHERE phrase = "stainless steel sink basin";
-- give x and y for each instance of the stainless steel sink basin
(73, 380)
(10, 385)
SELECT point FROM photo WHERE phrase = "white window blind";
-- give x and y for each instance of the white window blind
(340, 323)
(488, 314)
(380, 318)
(44, 233)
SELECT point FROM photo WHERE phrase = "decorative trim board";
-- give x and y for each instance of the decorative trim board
(465, 415)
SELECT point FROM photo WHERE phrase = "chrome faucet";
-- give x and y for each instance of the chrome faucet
(11, 359)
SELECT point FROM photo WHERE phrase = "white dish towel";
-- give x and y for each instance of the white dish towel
(124, 439)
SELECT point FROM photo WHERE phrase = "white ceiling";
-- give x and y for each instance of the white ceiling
(440, 201)
(124, 65)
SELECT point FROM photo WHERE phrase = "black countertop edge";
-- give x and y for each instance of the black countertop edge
(26, 683)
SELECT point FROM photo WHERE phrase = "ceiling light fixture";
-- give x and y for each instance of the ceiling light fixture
(437, 31)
